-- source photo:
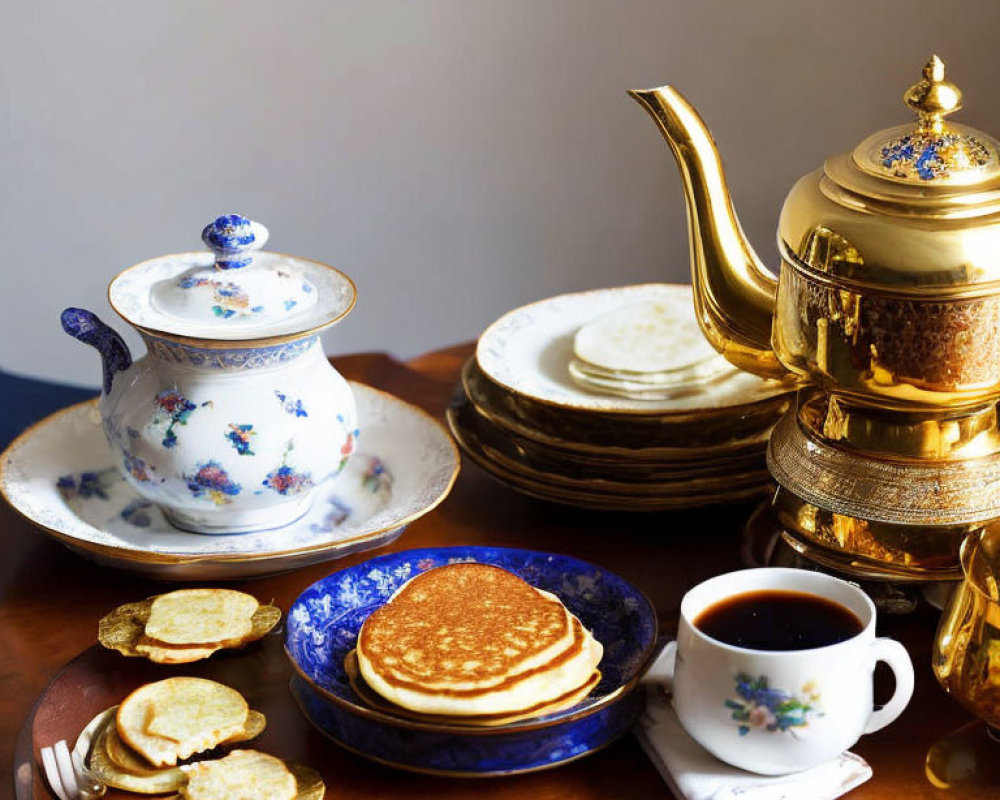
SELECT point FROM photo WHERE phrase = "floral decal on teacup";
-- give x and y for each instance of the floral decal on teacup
(758, 705)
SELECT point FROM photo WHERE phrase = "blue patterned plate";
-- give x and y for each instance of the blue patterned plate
(323, 625)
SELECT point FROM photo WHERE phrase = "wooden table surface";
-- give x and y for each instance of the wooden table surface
(51, 600)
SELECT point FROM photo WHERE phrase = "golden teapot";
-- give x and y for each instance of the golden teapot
(886, 307)
(889, 287)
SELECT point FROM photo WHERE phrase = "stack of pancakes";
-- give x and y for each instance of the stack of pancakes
(474, 644)
(613, 399)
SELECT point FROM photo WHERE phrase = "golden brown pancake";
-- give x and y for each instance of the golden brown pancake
(473, 640)
(466, 625)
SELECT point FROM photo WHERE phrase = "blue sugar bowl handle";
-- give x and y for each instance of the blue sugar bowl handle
(233, 238)
(85, 326)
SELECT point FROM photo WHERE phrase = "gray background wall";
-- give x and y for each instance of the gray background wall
(456, 157)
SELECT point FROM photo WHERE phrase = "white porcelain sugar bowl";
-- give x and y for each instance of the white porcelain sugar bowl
(234, 416)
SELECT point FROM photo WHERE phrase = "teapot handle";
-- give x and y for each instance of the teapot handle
(85, 326)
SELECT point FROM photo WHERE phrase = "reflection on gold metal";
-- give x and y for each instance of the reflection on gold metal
(734, 293)
(899, 435)
(907, 268)
(860, 546)
(933, 98)
(888, 303)
(966, 662)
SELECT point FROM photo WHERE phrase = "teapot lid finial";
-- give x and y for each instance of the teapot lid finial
(933, 98)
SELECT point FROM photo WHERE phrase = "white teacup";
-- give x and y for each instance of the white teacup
(780, 711)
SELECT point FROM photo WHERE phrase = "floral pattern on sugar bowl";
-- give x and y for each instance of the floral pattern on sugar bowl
(759, 706)
(229, 421)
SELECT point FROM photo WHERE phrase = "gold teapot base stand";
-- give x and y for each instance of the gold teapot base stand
(904, 471)
(868, 549)
(766, 543)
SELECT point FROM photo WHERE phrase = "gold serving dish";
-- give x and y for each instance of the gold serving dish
(888, 303)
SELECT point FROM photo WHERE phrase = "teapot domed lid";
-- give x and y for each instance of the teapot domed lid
(234, 292)
(914, 208)
(934, 152)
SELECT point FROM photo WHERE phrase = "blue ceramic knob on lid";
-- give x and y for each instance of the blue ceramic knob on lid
(233, 238)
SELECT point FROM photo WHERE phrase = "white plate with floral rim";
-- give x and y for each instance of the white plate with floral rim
(528, 351)
(60, 475)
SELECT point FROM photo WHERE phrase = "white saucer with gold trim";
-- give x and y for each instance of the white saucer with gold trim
(60, 475)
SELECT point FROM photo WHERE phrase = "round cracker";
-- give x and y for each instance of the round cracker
(308, 783)
(124, 630)
(249, 774)
(121, 628)
(201, 616)
(178, 717)
(158, 782)
(172, 654)
(254, 727)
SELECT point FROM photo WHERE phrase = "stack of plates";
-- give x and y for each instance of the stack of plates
(524, 413)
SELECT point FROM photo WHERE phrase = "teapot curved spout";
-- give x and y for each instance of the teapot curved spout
(85, 326)
(734, 294)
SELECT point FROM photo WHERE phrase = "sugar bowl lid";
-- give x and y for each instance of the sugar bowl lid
(234, 292)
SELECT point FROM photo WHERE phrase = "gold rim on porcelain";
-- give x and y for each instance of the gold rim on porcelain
(147, 557)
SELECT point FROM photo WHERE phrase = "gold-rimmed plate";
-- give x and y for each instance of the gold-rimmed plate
(405, 465)
(527, 352)
(710, 435)
(606, 478)
(595, 496)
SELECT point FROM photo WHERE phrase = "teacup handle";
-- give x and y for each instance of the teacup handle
(894, 654)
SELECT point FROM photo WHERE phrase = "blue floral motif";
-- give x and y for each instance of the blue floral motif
(376, 477)
(339, 511)
(138, 513)
(291, 405)
(286, 481)
(136, 467)
(178, 408)
(931, 156)
(87, 485)
(240, 436)
(324, 621)
(290, 304)
(212, 481)
(758, 705)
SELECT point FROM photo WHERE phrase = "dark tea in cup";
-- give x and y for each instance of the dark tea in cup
(774, 619)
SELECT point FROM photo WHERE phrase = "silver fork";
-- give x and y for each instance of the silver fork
(69, 777)
(67, 772)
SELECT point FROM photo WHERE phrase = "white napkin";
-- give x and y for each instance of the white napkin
(693, 773)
